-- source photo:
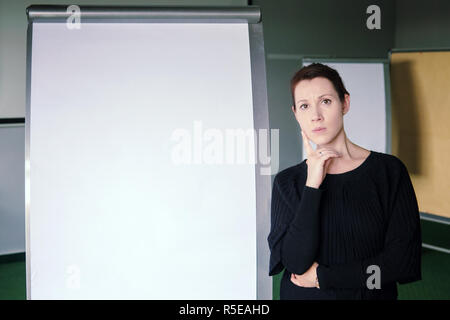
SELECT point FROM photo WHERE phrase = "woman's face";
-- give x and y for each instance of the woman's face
(317, 105)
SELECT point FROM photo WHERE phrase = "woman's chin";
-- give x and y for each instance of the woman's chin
(320, 141)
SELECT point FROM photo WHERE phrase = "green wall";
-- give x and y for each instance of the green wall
(422, 24)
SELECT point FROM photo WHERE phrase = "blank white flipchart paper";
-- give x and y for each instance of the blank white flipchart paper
(111, 215)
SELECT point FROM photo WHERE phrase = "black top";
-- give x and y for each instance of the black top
(366, 216)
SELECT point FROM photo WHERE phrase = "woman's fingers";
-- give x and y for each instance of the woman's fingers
(326, 156)
(294, 280)
(323, 152)
(308, 147)
(318, 165)
(298, 280)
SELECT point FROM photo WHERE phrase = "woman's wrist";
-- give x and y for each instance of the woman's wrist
(312, 185)
(317, 278)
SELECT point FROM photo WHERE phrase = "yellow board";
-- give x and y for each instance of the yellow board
(420, 90)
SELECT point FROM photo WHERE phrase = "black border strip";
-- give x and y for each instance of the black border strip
(12, 120)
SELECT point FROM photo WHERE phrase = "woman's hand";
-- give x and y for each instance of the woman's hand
(308, 279)
(318, 162)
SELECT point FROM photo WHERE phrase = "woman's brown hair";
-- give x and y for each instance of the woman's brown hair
(315, 70)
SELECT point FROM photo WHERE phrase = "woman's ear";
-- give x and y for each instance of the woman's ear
(293, 109)
(346, 104)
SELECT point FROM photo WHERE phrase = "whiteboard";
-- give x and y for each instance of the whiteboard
(113, 211)
(12, 188)
(365, 124)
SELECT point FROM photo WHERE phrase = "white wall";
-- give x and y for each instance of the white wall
(12, 189)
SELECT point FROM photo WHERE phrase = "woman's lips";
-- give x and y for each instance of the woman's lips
(319, 130)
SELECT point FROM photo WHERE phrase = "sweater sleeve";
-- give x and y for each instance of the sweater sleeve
(294, 234)
(400, 259)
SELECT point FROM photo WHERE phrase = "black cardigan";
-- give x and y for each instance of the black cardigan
(363, 217)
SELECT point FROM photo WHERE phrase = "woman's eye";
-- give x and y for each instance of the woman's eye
(301, 106)
(327, 101)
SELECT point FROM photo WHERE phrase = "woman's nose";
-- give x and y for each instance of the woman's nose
(316, 115)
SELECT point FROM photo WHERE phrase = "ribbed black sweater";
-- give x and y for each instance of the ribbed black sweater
(363, 217)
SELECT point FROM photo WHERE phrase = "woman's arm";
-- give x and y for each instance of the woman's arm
(399, 261)
(294, 236)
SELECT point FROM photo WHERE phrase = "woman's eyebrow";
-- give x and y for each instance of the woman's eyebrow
(322, 95)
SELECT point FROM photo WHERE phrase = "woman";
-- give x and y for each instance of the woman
(344, 222)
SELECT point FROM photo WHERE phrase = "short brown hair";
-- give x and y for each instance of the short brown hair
(315, 70)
